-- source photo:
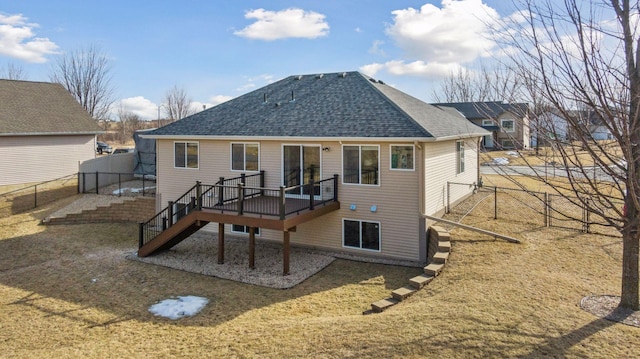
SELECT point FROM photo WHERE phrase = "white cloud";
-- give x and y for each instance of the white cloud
(146, 109)
(18, 40)
(456, 33)
(376, 48)
(218, 99)
(419, 68)
(288, 23)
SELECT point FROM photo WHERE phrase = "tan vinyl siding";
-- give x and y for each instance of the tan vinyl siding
(440, 168)
(27, 159)
(396, 198)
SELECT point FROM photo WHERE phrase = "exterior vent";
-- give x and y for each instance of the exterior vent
(373, 80)
(343, 75)
(278, 104)
(299, 77)
(380, 82)
(320, 76)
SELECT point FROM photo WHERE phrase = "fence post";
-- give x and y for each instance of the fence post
(282, 203)
(35, 196)
(143, 185)
(78, 182)
(84, 183)
(119, 185)
(550, 211)
(97, 183)
(546, 209)
(240, 198)
(448, 209)
(587, 216)
(495, 202)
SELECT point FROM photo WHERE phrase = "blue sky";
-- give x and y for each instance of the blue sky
(216, 50)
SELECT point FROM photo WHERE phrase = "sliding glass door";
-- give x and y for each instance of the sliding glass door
(300, 164)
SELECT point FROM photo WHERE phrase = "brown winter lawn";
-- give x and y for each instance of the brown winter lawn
(68, 291)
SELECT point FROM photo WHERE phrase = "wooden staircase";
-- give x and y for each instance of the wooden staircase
(441, 238)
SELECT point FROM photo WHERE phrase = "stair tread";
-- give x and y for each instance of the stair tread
(383, 304)
(402, 293)
(421, 280)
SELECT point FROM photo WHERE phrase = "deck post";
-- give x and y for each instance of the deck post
(282, 204)
(252, 247)
(240, 198)
(198, 196)
(221, 192)
(170, 210)
(262, 183)
(140, 234)
(312, 192)
(220, 243)
(335, 187)
(285, 253)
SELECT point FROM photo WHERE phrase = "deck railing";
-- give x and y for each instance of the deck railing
(236, 196)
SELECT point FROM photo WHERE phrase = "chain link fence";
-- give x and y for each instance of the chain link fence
(539, 209)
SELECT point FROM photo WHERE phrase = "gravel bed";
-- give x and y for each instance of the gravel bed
(199, 254)
(606, 306)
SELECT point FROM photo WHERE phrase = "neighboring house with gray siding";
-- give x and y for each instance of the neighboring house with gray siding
(391, 153)
(44, 132)
(508, 123)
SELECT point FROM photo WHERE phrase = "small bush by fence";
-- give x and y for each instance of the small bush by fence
(540, 209)
(24, 198)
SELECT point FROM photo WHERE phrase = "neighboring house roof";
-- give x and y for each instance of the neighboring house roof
(486, 110)
(41, 108)
(335, 105)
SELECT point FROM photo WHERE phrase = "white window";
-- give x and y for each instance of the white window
(459, 157)
(185, 154)
(402, 157)
(361, 234)
(360, 164)
(508, 125)
(245, 157)
(488, 123)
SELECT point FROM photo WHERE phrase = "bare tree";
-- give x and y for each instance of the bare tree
(581, 60)
(13, 72)
(496, 84)
(177, 104)
(85, 73)
(129, 123)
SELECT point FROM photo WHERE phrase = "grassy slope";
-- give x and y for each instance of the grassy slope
(66, 291)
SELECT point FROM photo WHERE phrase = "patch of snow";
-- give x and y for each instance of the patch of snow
(182, 306)
(500, 161)
(512, 154)
(132, 190)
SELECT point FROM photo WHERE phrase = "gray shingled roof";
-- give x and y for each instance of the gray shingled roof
(341, 105)
(43, 108)
(486, 110)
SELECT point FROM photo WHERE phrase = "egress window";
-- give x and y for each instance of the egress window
(185, 154)
(361, 234)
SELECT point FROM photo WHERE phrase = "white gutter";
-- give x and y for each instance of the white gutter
(48, 133)
(306, 138)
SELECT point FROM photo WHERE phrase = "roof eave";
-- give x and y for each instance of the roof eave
(310, 139)
(11, 134)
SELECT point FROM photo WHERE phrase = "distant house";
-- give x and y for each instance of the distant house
(44, 132)
(553, 126)
(507, 122)
(549, 127)
(594, 122)
(336, 161)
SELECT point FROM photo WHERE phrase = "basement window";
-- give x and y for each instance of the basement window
(361, 234)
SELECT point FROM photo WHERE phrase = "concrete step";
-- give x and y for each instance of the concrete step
(444, 246)
(433, 269)
(420, 281)
(402, 293)
(383, 304)
(440, 257)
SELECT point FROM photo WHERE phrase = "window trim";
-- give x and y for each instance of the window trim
(244, 158)
(413, 158)
(504, 129)
(490, 122)
(360, 221)
(360, 164)
(460, 157)
(186, 155)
